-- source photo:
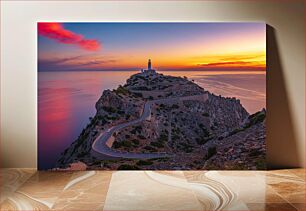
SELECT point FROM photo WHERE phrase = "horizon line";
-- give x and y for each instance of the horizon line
(168, 70)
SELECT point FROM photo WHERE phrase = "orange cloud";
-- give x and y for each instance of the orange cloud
(57, 32)
(231, 64)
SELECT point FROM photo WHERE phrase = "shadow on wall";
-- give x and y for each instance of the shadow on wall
(281, 140)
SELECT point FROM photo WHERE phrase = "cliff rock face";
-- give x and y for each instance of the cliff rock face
(243, 148)
(113, 107)
(199, 129)
(224, 114)
(117, 104)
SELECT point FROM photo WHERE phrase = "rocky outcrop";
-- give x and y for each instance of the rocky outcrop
(113, 107)
(201, 130)
(165, 86)
(224, 114)
(118, 104)
(243, 148)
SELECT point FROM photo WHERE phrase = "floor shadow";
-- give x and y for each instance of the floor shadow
(281, 140)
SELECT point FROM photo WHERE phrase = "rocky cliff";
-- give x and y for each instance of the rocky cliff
(199, 129)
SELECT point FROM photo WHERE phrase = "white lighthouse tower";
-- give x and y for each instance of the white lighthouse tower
(149, 70)
(149, 64)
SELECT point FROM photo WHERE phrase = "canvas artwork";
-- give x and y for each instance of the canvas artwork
(151, 96)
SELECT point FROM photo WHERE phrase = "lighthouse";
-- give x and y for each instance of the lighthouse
(149, 70)
(149, 64)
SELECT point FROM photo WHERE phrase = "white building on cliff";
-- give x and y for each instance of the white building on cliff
(149, 70)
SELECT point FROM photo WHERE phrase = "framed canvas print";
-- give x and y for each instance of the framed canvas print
(158, 96)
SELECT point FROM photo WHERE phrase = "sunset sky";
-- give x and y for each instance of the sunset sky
(171, 46)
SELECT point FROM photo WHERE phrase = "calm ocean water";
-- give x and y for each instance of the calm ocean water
(66, 100)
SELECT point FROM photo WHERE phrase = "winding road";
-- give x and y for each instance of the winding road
(101, 150)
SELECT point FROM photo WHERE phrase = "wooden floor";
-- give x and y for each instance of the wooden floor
(28, 189)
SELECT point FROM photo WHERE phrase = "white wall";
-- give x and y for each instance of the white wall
(19, 74)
